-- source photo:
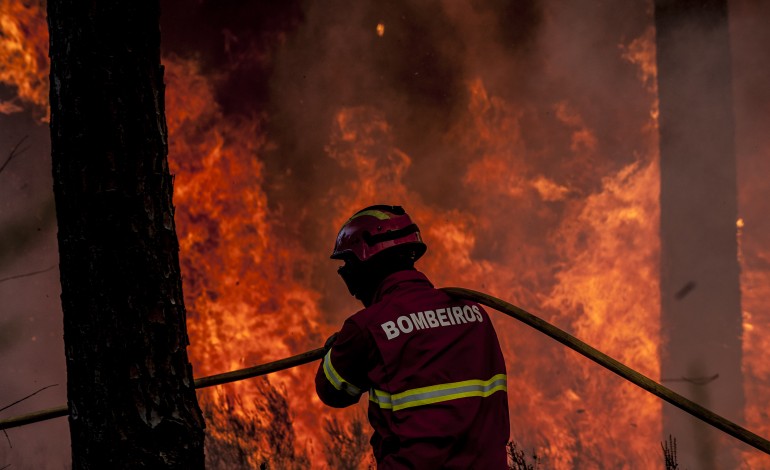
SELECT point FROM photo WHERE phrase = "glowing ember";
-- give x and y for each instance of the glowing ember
(380, 29)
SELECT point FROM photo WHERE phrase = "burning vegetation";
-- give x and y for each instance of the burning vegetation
(524, 143)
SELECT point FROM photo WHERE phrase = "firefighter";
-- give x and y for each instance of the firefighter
(431, 364)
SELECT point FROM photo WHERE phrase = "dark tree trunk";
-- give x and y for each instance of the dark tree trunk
(700, 276)
(129, 382)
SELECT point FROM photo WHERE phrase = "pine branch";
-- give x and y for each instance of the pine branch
(17, 276)
(14, 153)
(669, 453)
(28, 396)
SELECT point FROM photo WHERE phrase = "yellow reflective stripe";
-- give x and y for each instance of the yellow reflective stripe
(336, 379)
(374, 213)
(381, 398)
(448, 386)
(438, 393)
(429, 401)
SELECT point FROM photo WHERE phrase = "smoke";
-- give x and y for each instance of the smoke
(30, 312)
(511, 122)
(495, 126)
(518, 133)
(751, 74)
(556, 73)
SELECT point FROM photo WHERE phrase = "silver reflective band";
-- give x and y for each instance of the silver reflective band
(336, 379)
(438, 393)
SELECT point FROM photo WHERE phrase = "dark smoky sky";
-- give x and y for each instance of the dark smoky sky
(293, 64)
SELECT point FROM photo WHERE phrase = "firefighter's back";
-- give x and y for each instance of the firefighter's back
(438, 397)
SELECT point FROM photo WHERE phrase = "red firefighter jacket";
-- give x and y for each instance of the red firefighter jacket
(435, 375)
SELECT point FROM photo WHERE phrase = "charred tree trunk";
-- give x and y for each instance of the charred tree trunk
(700, 284)
(129, 382)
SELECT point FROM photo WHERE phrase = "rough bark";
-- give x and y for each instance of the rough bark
(130, 384)
(700, 285)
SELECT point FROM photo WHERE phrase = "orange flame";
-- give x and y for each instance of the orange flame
(755, 291)
(23, 54)
(593, 270)
(244, 305)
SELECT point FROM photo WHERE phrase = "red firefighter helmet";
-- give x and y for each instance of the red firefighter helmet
(375, 229)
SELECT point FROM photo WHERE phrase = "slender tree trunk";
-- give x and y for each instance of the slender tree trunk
(700, 275)
(129, 382)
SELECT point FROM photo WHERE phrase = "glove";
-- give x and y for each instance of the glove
(329, 342)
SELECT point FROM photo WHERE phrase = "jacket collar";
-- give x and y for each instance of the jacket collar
(393, 281)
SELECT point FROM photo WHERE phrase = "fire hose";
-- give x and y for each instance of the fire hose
(703, 414)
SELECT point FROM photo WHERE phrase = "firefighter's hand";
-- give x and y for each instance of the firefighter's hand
(330, 342)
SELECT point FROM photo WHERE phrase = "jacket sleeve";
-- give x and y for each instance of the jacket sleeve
(342, 375)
